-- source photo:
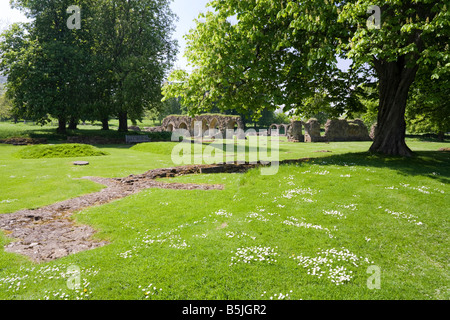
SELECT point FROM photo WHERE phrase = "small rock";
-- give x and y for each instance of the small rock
(81, 163)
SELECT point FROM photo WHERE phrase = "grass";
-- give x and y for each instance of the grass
(59, 151)
(359, 208)
(29, 130)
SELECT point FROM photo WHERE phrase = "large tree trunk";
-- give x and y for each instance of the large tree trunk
(61, 125)
(105, 124)
(73, 124)
(123, 121)
(394, 82)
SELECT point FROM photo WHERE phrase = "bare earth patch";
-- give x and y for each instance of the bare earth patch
(49, 233)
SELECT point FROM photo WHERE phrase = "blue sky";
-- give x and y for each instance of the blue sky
(186, 10)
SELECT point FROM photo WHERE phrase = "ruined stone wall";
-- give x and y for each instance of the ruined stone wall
(335, 130)
(312, 131)
(295, 133)
(346, 130)
(209, 124)
(276, 129)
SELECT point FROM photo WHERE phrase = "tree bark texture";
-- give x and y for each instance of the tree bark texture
(61, 124)
(123, 121)
(105, 124)
(395, 79)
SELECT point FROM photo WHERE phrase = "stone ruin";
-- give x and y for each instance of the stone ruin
(210, 125)
(202, 125)
(335, 130)
(279, 129)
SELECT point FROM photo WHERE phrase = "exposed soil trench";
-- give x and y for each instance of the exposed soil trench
(48, 233)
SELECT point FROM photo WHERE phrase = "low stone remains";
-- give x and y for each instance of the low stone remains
(335, 130)
(19, 141)
(49, 233)
(93, 140)
(134, 128)
(136, 138)
(346, 130)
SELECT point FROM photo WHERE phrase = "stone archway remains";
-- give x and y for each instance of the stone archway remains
(210, 123)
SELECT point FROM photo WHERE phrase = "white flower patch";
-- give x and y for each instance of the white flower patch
(351, 206)
(223, 213)
(231, 234)
(278, 296)
(150, 290)
(423, 189)
(8, 200)
(257, 216)
(254, 254)
(328, 263)
(179, 244)
(36, 275)
(203, 235)
(292, 221)
(289, 194)
(126, 254)
(334, 213)
(322, 173)
(308, 200)
(345, 175)
(174, 240)
(401, 215)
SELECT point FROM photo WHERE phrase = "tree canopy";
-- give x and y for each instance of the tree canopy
(112, 65)
(256, 54)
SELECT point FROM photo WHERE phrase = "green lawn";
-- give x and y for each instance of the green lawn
(309, 232)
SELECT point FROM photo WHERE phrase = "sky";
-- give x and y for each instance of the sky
(186, 10)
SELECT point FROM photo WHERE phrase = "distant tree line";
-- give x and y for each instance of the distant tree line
(112, 66)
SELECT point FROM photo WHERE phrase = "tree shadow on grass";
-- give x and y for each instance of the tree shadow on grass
(432, 164)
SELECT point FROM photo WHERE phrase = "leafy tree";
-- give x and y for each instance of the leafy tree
(112, 66)
(134, 54)
(285, 52)
(45, 63)
(428, 108)
(281, 117)
(5, 108)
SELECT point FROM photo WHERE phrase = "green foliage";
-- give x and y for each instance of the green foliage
(60, 151)
(428, 108)
(5, 107)
(114, 64)
(285, 53)
(281, 117)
